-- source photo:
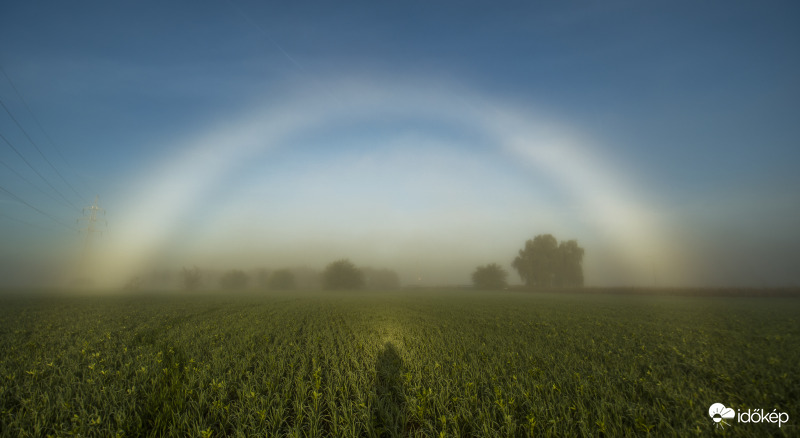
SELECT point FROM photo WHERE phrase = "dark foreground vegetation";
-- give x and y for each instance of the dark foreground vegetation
(443, 363)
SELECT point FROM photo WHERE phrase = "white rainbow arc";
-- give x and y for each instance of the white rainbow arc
(174, 187)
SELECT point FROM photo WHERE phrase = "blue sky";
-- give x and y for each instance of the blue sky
(426, 137)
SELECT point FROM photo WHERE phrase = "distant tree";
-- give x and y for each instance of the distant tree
(536, 262)
(342, 274)
(569, 272)
(491, 276)
(543, 262)
(282, 279)
(234, 280)
(191, 278)
(380, 279)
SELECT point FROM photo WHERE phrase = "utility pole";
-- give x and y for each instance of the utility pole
(91, 228)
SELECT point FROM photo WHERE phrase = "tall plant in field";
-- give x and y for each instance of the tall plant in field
(544, 262)
(342, 274)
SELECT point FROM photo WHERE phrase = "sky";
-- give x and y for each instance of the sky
(425, 137)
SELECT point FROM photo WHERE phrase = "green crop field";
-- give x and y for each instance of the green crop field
(422, 363)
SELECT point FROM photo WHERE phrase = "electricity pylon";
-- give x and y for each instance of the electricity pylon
(91, 228)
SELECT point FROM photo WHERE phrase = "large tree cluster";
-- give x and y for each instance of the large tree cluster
(544, 262)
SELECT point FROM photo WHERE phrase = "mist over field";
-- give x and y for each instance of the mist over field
(394, 219)
(424, 139)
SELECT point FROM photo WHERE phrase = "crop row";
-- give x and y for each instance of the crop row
(421, 364)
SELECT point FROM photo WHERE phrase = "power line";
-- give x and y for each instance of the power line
(32, 225)
(310, 75)
(32, 184)
(266, 34)
(46, 134)
(91, 219)
(22, 201)
(40, 153)
(37, 172)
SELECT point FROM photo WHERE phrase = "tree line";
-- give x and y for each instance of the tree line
(542, 263)
(338, 275)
